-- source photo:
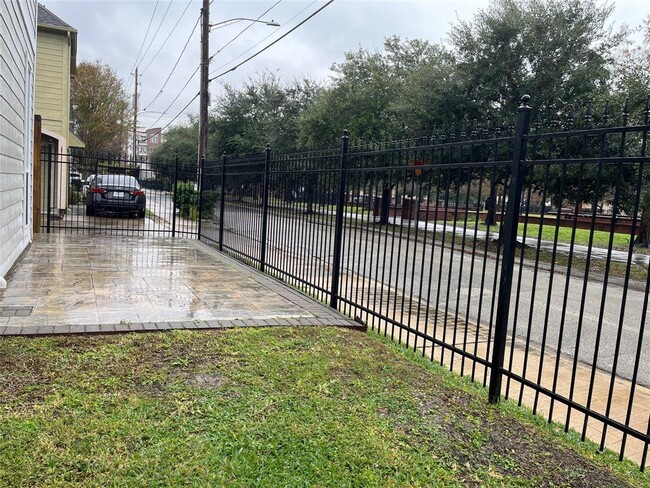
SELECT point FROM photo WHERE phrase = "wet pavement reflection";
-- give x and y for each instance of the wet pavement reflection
(81, 279)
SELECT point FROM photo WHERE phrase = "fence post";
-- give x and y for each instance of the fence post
(265, 205)
(49, 186)
(338, 232)
(200, 213)
(511, 220)
(222, 203)
(175, 197)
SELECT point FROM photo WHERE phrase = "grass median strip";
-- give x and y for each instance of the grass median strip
(302, 406)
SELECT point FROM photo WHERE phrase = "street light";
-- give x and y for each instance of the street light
(228, 22)
(205, 62)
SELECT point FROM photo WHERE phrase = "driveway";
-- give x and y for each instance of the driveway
(91, 283)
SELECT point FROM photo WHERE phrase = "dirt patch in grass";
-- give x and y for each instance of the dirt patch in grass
(265, 407)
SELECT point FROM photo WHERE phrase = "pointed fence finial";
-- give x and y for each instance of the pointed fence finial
(555, 119)
(626, 112)
(538, 122)
(588, 115)
(606, 114)
(570, 120)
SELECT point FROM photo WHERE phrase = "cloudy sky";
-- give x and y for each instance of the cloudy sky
(157, 35)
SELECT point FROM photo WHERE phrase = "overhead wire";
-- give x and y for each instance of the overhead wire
(180, 56)
(137, 58)
(271, 44)
(235, 67)
(157, 30)
(177, 96)
(246, 28)
(262, 40)
(175, 64)
(176, 116)
(168, 36)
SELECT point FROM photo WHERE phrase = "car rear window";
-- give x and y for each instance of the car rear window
(117, 180)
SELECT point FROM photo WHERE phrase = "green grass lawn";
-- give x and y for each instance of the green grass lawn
(267, 407)
(600, 238)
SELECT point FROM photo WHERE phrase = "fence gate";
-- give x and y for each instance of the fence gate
(120, 197)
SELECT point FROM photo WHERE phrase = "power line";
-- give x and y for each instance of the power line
(137, 58)
(246, 28)
(263, 39)
(179, 58)
(175, 65)
(168, 36)
(234, 68)
(157, 30)
(179, 94)
(175, 117)
(274, 42)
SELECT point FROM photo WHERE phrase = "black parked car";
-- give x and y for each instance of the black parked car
(115, 193)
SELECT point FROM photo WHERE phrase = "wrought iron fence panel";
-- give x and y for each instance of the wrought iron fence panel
(506, 253)
(71, 202)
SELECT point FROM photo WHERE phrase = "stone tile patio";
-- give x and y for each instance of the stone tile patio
(79, 283)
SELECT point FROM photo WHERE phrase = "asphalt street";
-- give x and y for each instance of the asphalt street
(581, 318)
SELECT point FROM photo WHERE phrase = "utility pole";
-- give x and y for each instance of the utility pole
(135, 118)
(203, 93)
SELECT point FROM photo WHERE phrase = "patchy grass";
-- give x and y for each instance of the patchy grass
(265, 407)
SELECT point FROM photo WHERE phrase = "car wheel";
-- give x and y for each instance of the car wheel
(89, 211)
(141, 214)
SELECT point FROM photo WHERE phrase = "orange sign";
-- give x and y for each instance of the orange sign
(417, 162)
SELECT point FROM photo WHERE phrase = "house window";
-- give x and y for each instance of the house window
(154, 138)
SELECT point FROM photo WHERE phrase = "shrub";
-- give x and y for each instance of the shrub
(186, 198)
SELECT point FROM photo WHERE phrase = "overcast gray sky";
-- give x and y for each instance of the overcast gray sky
(152, 34)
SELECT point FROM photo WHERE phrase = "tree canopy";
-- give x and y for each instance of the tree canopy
(264, 111)
(181, 141)
(564, 53)
(558, 51)
(100, 108)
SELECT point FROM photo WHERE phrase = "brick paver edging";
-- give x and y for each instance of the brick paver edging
(34, 330)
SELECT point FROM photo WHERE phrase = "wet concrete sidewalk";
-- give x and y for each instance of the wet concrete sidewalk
(84, 284)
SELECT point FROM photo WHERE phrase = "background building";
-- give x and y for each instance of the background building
(154, 139)
(56, 64)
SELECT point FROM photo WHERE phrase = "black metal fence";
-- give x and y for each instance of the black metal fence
(170, 189)
(503, 252)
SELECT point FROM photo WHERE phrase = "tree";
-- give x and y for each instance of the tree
(265, 111)
(557, 51)
(372, 95)
(358, 100)
(632, 82)
(181, 141)
(100, 108)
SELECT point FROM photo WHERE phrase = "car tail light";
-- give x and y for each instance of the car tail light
(137, 193)
(98, 190)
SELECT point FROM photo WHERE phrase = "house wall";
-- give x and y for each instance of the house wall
(17, 63)
(52, 103)
(53, 81)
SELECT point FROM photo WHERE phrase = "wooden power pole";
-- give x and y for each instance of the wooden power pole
(203, 92)
(134, 156)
